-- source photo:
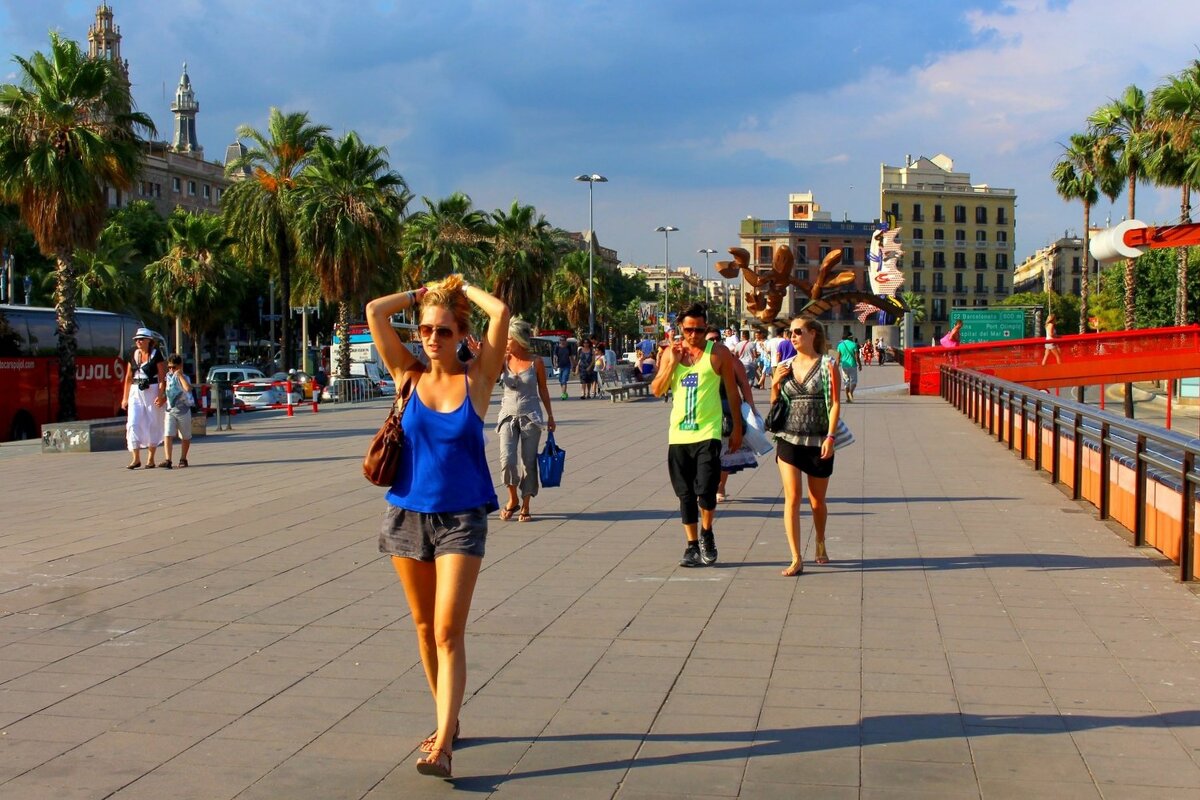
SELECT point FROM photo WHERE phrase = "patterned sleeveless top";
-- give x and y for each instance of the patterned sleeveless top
(808, 416)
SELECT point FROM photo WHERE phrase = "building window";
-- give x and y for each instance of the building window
(917, 217)
(822, 251)
(917, 286)
(801, 254)
(848, 256)
(1075, 286)
(1002, 237)
(1075, 265)
(938, 216)
(918, 260)
(207, 192)
(1002, 261)
(896, 212)
(960, 260)
(979, 287)
(918, 234)
(958, 282)
(1000, 288)
(939, 283)
(220, 194)
(981, 215)
(960, 235)
(939, 260)
(175, 185)
(191, 188)
(1001, 216)
(960, 214)
(981, 261)
(981, 236)
(939, 313)
(939, 235)
(764, 254)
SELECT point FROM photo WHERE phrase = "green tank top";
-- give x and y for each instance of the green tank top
(696, 412)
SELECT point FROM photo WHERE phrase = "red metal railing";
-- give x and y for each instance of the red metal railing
(1086, 359)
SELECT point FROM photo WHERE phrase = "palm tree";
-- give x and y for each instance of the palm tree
(256, 209)
(523, 250)
(68, 130)
(1122, 127)
(1175, 160)
(568, 290)
(195, 281)
(448, 236)
(1075, 176)
(107, 276)
(349, 207)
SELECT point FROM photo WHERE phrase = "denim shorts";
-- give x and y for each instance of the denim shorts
(413, 534)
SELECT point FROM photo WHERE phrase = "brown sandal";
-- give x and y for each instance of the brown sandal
(432, 763)
(426, 745)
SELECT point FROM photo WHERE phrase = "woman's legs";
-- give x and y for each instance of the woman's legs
(820, 513)
(531, 441)
(439, 596)
(509, 442)
(137, 456)
(793, 480)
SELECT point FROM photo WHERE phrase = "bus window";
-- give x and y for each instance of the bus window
(83, 335)
(108, 340)
(12, 333)
(42, 340)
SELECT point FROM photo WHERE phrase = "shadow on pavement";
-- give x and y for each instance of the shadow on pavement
(876, 730)
(1047, 561)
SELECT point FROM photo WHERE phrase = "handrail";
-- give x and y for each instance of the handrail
(1160, 460)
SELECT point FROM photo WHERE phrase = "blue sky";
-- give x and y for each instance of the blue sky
(699, 113)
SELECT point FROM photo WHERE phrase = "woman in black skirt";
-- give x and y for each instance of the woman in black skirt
(810, 385)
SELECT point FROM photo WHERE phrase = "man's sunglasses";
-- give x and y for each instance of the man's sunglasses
(693, 330)
(425, 331)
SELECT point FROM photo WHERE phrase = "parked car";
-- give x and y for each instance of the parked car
(304, 379)
(261, 392)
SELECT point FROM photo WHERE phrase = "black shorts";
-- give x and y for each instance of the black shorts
(806, 459)
(695, 469)
(413, 534)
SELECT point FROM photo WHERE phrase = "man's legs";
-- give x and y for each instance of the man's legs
(681, 467)
(708, 477)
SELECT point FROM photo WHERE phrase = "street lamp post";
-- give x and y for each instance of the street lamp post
(708, 251)
(591, 180)
(665, 230)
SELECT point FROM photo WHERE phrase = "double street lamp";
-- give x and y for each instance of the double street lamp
(665, 230)
(591, 180)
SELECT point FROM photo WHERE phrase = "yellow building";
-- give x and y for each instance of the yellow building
(1060, 265)
(957, 237)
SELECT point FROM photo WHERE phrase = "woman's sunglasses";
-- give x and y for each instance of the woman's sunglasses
(425, 331)
(797, 331)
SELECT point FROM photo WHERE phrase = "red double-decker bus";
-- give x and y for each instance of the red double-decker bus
(29, 367)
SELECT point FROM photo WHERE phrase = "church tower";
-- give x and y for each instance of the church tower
(185, 108)
(104, 39)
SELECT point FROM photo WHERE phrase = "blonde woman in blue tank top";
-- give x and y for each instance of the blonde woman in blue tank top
(435, 526)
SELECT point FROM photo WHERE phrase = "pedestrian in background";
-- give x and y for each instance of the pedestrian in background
(144, 397)
(564, 362)
(849, 362)
(586, 366)
(435, 525)
(521, 420)
(1051, 345)
(805, 445)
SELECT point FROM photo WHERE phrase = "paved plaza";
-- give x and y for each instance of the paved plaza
(230, 631)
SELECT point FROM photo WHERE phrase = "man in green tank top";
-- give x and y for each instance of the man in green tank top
(693, 370)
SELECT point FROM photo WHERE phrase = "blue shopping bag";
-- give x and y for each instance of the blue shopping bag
(551, 461)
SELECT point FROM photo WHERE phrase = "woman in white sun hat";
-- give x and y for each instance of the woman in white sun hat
(145, 398)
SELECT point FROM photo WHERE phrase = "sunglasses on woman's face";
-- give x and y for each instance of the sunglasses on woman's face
(425, 331)
(797, 331)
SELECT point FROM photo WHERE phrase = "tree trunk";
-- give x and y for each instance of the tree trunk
(1087, 268)
(196, 360)
(1185, 216)
(285, 287)
(343, 332)
(65, 328)
(1130, 306)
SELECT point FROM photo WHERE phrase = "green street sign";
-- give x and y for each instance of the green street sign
(989, 324)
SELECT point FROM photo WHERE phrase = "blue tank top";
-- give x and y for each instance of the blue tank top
(442, 465)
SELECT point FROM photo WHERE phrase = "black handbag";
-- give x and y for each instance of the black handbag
(776, 419)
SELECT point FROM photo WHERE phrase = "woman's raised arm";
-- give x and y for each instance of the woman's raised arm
(396, 357)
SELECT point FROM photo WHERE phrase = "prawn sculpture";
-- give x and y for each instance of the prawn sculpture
(765, 297)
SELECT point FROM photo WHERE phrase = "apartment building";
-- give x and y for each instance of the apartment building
(1058, 265)
(957, 237)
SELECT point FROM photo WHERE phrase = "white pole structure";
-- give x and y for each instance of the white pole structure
(591, 180)
(708, 251)
(665, 230)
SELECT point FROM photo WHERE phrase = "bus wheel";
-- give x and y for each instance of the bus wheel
(23, 427)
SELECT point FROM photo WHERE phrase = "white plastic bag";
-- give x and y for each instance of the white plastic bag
(753, 433)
